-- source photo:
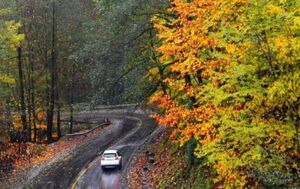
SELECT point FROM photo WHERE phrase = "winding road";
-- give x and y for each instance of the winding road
(81, 169)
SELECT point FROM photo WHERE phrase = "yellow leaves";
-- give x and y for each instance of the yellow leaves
(17, 122)
(230, 177)
(4, 12)
(244, 49)
(158, 20)
(241, 57)
(14, 39)
(166, 58)
(182, 45)
(187, 66)
(283, 1)
(282, 47)
(153, 74)
(9, 37)
(297, 21)
(183, 40)
(274, 10)
(281, 148)
(7, 79)
(41, 115)
(231, 49)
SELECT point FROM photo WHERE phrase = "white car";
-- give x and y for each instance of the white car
(111, 158)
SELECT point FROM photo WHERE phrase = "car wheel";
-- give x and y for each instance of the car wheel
(103, 168)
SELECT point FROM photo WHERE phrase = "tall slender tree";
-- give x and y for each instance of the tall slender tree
(53, 76)
(21, 90)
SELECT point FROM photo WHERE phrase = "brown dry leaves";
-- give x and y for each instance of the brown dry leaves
(160, 171)
(15, 157)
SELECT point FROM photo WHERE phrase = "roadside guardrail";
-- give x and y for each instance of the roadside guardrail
(88, 131)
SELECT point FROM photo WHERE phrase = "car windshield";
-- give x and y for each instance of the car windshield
(110, 155)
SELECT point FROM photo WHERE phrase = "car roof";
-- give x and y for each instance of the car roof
(110, 151)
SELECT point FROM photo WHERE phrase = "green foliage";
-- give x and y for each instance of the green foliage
(9, 41)
(189, 152)
(174, 173)
(265, 83)
(118, 49)
(249, 64)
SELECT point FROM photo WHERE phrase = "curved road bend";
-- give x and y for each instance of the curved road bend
(81, 168)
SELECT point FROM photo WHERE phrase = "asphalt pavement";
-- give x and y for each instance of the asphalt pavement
(81, 169)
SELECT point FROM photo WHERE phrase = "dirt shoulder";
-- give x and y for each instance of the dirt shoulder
(92, 175)
(138, 175)
(63, 171)
(161, 164)
(33, 158)
(59, 163)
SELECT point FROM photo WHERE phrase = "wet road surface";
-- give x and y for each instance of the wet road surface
(81, 168)
(110, 178)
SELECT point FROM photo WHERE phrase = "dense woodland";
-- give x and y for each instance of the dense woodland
(223, 76)
(231, 88)
(58, 54)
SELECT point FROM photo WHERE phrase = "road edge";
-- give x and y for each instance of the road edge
(159, 130)
(90, 164)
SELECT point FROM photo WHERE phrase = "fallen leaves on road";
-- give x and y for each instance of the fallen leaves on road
(135, 178)
(143, 172)
(15, 157)
(168, 163)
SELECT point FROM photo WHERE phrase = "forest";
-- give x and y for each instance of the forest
(222, 76)
(59, 55)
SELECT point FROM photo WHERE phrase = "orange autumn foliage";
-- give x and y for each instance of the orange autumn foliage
(232, 83)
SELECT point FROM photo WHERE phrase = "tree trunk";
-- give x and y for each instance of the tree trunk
(188, 82)
(53, 81)
(49, 124)
(32, 92)
(29, 88)
(58, 129)
(58, 118)
(71, 117)
(72, 101)
(21, 90)
(8, 115)
(29, 108)
(71, 107)
(33, 113)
